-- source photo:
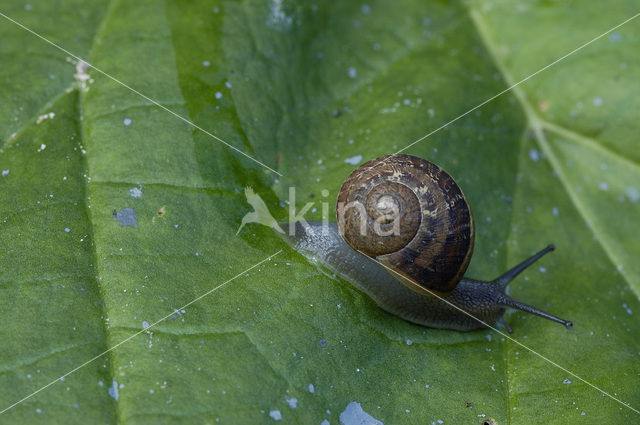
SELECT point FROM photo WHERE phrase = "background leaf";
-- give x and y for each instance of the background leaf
(309, 89)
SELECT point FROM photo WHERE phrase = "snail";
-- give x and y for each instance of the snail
(404, 236)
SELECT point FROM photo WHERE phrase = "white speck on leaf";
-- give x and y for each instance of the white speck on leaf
(597, 101)
(42, 147)
(632, 192)
(113, 390)
(534, 155)
(66, 229)
(354, 160)
(278, 17)
(126, 217)
(218, 95)
(43, 117)
(352, 72)
(206, 63)
(145, 324)
(354, 415)
(275, 415)
(81, 75)
(292, 402)
(5, 173)
(566, 381)
(127, 121)
(135, 192)
(312, 389)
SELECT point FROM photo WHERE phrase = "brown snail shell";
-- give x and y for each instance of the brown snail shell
(411, 215)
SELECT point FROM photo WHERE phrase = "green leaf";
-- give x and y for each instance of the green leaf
(309, 89)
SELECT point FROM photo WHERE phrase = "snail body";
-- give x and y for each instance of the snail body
(404, 236)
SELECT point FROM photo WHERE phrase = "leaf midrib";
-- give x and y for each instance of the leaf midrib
(110, 343)
(86, 201)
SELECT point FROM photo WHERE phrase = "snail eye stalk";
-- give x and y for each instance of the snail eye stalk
(507, 301)
(511, 303)
(507, 277)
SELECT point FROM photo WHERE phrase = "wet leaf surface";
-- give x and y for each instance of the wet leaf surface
(311, 90)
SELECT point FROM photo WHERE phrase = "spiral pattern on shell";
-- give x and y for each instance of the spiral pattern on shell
(412, 216)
